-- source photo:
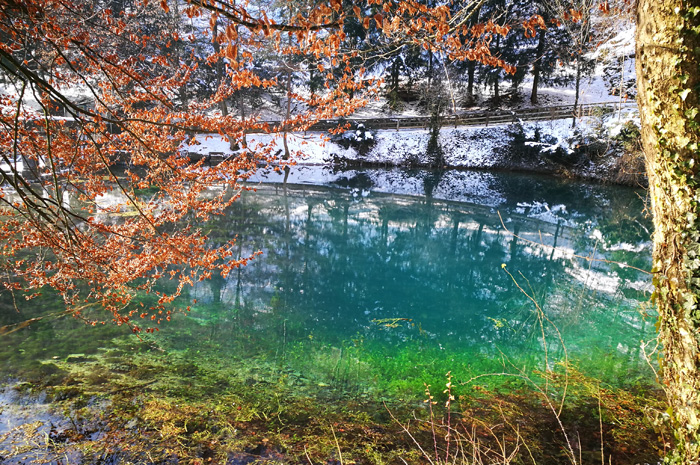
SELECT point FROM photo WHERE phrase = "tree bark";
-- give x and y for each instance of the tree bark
(288, 113)
(219, 67)
(497, 73)
(430, 69)
(577, 91)
(394, 77)
(537, 67)
(583, 41)
(471, 67)
(668, 81)
(496, 90)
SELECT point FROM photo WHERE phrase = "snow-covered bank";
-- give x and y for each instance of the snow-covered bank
(592, 150)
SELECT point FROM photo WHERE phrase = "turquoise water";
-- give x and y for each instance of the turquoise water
(433, 284)
(368, 294)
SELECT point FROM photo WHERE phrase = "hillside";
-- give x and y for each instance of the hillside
(603, 144)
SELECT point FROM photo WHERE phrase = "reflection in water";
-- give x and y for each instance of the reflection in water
(434, 278)
(360, 291)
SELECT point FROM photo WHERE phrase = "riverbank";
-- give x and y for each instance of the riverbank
(601, 148)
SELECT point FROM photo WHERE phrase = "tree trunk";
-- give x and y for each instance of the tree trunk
(430, 69)
(583, 40)
(497, 73)
(176, 52)
(394, 81)
(537, 67)
(496, 90)
(668, 80)
(577, 92)
(219, 67)
(287, 115)
(471, 67)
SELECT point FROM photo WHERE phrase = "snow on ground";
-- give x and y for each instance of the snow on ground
(621, 45)
(463, 147)
(392, 147)
(15, 167)
(616, 123)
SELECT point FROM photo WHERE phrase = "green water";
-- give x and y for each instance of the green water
(369, 296)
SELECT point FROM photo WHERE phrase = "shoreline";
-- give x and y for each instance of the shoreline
(548, 148)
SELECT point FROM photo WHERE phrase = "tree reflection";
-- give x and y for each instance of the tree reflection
(335, 262)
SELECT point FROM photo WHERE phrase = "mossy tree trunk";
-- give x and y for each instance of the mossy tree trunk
(668, 77)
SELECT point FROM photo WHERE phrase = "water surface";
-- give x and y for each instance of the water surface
(369, 294)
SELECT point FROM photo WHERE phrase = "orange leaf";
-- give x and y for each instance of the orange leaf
(357, 11)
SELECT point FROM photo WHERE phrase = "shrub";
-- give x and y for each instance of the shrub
(360, 138)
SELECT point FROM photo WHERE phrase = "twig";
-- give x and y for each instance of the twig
(405, 429)
(600, 420)
(340, 454)
(307, 456)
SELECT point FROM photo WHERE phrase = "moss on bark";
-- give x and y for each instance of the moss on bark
(668, 48)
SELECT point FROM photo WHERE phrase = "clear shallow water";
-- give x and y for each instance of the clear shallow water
(372, 295)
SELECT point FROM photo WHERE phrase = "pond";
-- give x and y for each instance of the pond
(372, 285)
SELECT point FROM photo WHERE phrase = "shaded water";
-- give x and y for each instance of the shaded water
(369, 296)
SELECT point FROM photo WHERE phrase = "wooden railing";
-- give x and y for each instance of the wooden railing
(480, 118)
